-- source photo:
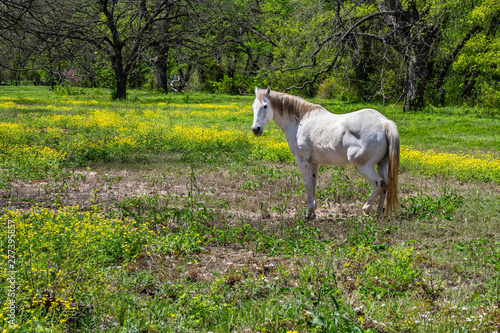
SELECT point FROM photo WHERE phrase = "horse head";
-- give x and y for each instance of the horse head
(262, 111)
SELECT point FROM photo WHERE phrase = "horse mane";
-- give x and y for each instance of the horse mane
(293, 106)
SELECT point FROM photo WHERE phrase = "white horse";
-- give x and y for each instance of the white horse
(363, 138)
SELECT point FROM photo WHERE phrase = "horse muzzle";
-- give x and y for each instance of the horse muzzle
(257, 130)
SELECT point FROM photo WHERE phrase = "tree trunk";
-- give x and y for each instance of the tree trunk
(469, 84)
(120, 76)
(365, 67)
(121, 85)
(161, 69)
(416, 81)
(420, 69)
(441, 97)
(162, 49)
(415, 40)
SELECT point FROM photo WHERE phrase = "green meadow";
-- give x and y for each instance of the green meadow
(163, 213)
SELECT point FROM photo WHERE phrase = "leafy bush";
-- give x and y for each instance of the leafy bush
(235, 85)
(391, 275)
(334, 87)
(428, 208)
(63, 256)
(184, 241)
(298, 240)
(31, 163)
(67, 89)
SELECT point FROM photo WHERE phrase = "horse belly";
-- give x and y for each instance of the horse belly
(337, 157)
(324, 146)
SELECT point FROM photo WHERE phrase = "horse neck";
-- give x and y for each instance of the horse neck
(282, 115)
(289, 110)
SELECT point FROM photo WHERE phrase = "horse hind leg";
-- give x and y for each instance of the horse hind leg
(378, 184)
(383, 171)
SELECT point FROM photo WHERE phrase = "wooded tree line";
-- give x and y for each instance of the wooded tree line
(413, 51)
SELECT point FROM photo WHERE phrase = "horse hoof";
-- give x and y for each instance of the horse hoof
(311, 216)
(366, 210)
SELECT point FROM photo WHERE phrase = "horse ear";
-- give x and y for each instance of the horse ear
(256, 90)
(268, 91)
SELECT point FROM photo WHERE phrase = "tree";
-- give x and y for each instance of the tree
(120, 29)
(417, 50)
(358, 39)
(128, 24)
(481, 49)
(11, 14)
(11, 36)
(223, 46)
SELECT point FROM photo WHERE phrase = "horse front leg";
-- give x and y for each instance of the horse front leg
(310, 174)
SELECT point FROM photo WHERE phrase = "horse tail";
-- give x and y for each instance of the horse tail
(392, 135)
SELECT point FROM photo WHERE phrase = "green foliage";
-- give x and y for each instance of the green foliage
(480, 53)
(282, 43)
(66, 89)
(378, 275)
(337, 88)
(273, 152)
(490, 96)
(298, 240)
(493, 258)
(106, 79)
(238, 84)
(428, 208)
(31, 163)
(62, 257)
(184, 241)
(483, 11)
(392, 275)
(366, 233)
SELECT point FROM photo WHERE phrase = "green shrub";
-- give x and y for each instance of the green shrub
(392, 275)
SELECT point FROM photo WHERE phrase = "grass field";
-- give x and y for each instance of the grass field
(163, 213)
